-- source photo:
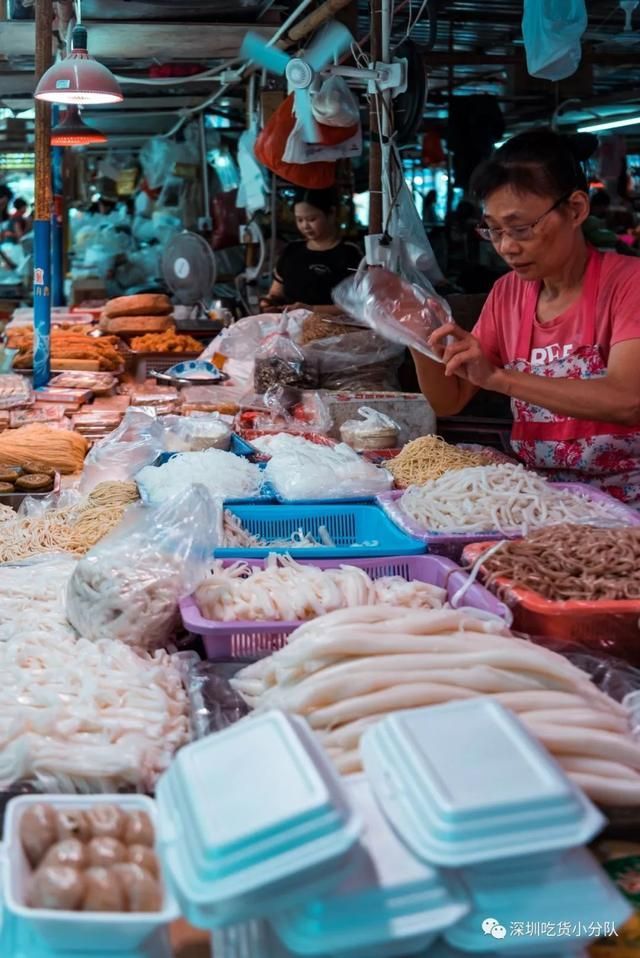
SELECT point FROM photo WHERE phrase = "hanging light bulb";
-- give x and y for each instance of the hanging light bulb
(73, 131)
(79, 78)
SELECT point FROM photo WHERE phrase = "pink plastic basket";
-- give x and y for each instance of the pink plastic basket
(451, 544)
(254, 639)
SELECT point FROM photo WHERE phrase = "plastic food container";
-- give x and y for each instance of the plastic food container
(17, 940)
(611, 624)
(391, 903)
(452, 543)
(253, 820)
(552, 950)
(76, 931)
(465, 783)
(571, 891)
(243, 639)
(357, 531)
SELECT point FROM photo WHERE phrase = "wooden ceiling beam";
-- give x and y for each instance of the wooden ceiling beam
(142, 40)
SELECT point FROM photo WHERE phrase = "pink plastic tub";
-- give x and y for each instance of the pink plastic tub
(241, 640)
(452, 544)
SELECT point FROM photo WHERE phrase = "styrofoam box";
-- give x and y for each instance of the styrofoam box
(254, 819)
(573, 889)
(443, 950)
(465, 783)
(391, 904)
(78, 931)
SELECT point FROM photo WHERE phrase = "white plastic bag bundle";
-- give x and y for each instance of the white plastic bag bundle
(552, 30)
(335, 104)
(298, 151)
(373, 431)
(128, 587)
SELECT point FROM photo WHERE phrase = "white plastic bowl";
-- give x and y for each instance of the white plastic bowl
(76, 931)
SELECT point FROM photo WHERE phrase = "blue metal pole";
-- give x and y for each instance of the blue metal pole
(41, 303)
(57, 213)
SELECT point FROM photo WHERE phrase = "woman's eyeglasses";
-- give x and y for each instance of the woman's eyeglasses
(519, 233)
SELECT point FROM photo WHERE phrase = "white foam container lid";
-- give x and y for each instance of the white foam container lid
(253, 819)
(76, 931)
(443, 950)
(391, 904)
(573, 889)
(465, 782)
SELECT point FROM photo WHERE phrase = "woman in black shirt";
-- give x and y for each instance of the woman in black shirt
(309, 269)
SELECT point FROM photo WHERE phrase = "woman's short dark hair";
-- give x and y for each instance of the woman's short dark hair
(539, 161)
(324, 200)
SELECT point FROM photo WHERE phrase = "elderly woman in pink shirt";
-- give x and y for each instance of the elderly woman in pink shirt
(559, 334)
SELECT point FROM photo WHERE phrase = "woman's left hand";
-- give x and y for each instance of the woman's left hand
(300, 306)
(464, 356)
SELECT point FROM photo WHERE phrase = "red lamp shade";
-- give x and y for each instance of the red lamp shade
(78, 78)
(73, 131)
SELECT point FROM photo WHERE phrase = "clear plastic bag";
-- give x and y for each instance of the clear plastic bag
(400, 311)
(299, 469)
(298, 151)
(335, 104)
(137, 442)
(14, 391)
(373, 431)
(191, 434)
(128, 587)
(552, 30)
(357, 361)
(279, 362)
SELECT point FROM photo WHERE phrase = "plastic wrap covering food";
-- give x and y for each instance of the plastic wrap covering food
(299, 469)
(137, 442)
(279, 362)
(373, 431)
(85, 716)
(398, 310)
(355, 361)
(128, 587)
(194, 433)
(286, 409)
(14, 391)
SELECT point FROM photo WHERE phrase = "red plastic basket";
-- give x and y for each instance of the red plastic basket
(610, 625)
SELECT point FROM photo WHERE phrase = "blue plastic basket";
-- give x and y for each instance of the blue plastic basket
(346, 525)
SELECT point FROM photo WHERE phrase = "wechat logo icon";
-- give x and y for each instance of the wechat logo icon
(491, 926)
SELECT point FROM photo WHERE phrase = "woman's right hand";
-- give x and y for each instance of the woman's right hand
(464, 356)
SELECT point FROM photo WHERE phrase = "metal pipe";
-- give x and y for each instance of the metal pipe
(385, 49)
(206, 198)
(42, 222)
(57, 218)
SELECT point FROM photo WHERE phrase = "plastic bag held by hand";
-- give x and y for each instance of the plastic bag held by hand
(552, 30)
(128, 586)
(399, 311)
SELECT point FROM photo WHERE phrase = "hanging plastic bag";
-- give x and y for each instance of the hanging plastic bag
(398, 310)
(373, 430)
(415, 259)
(299, 151)
(253, 189)
(279, 362)
(335, 104)
(270, 146)
(128, 586)
(552, 30)
(137, 442)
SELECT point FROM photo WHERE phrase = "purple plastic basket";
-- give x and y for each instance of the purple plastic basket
(452, 544)
(253, 639)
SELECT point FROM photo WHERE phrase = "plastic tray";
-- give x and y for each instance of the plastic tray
(611, 625)
(73, 931)
(465, 783)
(452, 543)
(253, 820)
(252, 639)
(14, 499)
(346, 524)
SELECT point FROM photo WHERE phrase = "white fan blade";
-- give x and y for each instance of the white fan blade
(330, 42)
(255, 48)
(302, 108)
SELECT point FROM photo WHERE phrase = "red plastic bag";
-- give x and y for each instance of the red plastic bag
(271, 144)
